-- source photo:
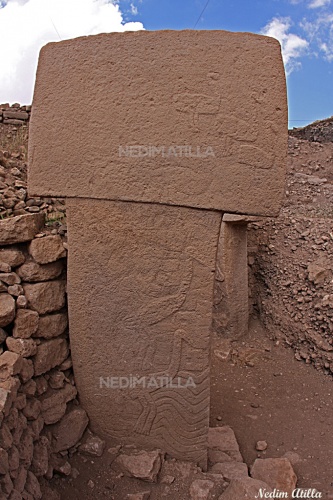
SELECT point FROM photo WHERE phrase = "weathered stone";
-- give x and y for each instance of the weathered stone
(32, 272)
(32, 486)
(224, 439)
(57, 379)
(60, 465)
(10, 364)
(20, 401)
(50, 353)
(12, 418)
(19, 429)
(66, 365)
(46, 297)
(7, 309)
(10, 278)
(21, 302)
(4, 267)
(245, 488)
(164, 298)
(36, 427)
(217, 456)
(40, 460)
(3, 335)
(41, 385)
(8, 393)
(26, 323)
(15, 290)
(26, 448)
(231, 470)
(318, 272)
(18, 115)
(27, 370)
(20, 228)
(29, 388)
(194, 98)
(20, 479)
(6, 439)
(69, 430)
(200, 489)
(5, 401)
(32, 409)
(93, 446)
(52, 325)
(4, 465)
(6, 484)
(54, 403)
(261, 445)
(48, 249)
(23, 347)
(277, 472)
(143, 464)
(13, 458)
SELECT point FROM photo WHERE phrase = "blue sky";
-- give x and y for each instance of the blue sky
(304, 28)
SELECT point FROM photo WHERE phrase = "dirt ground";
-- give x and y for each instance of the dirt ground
(263, 393)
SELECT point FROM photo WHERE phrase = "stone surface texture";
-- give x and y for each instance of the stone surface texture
(157, 264)
(20, 228)
(227, 130)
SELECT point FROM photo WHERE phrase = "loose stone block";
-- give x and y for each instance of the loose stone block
(52, 325)
(10, 364)
(13, 256)
(277, 472)
(207, 127)
(48, 249)
(153, 271)
(23, 347)
(70, 430)
(54, 403)
(46, 297)
(25, 324)
(7, 309)
(50, 354)
(32, 272)
(20, 228)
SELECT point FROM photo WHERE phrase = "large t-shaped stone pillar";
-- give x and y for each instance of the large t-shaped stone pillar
(151, 137)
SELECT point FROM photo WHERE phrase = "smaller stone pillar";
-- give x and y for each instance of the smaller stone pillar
(231, 306)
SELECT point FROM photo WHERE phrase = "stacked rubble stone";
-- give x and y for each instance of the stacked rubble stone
(319, 131)
(39, 413)
(14, 114)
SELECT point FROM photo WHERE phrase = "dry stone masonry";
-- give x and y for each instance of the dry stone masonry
(14, 114)
(193, 129)
(39, 412)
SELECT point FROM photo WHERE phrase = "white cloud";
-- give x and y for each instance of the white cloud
(27, 25)
(134, 10)
(315, 4)
(293, 46)
(320, 33)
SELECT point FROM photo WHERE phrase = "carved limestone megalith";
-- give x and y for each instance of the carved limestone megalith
(152, 137)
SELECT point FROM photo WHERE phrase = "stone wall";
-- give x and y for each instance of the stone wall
(40, 415)
(14, 114)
